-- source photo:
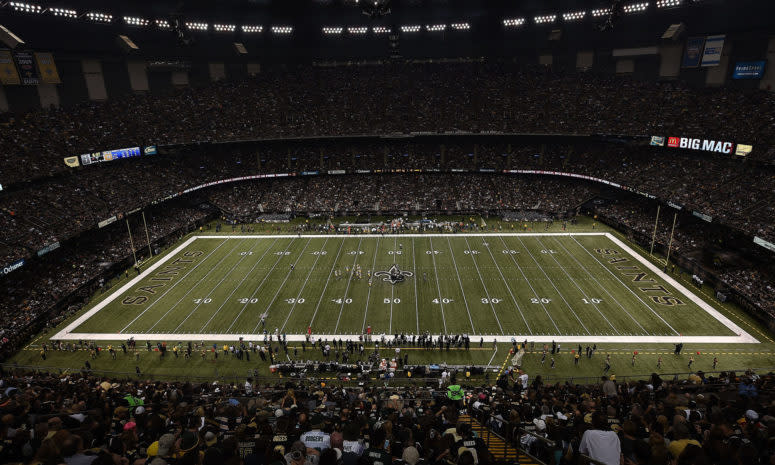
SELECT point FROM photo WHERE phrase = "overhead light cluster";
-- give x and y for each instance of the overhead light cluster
(282, 29)
(252, 29)
(668, 3)
(135, 21)
(224, 27)
(636, 7)
(435, 27)
(100, 17)
(333, 30)
(601, 12)
(545, 19)
(381, 30)
(63, 12)
(26, 7)
(410, 28)
(574, 16)
(163, 24)
(358, 30)
(197, 26)
(460, 26)
(514, 22)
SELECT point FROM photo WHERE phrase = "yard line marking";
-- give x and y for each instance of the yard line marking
(280, 288)
(392, 292)
(295, 302)
(349, 281)
(438, 288)
(460, 282)
(626, 286)
(131, 283)
(487, 293)
(368, 295)
(243, 257)
(333, 265)
(582, 292)
(416, 309)
(531, 287)
(245, 306)
(508, 288)
(239, 284)
(602, 287)
(553, 285)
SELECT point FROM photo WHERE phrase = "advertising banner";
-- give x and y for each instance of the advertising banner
(711, 56)
(12, 267)
(47, 67)
(693, 52)
(28, 70)
(767, 245)
(8, 74)
(48, 249)
(749, 70)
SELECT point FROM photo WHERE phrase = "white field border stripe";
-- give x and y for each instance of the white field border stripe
(393, 288)
(292, 236)
(742, 334)
(79, 321)
(484, 286)
(743, 337)
(582, 291)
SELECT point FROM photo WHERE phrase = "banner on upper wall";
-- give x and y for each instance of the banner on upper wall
(47, 68)
(767, 245)
(48, 249)
(12, 267)
(693, 52)
(8, 74)
(711, 56)
(72, 162)
(749, 70)
(707, 145)
(25, 64)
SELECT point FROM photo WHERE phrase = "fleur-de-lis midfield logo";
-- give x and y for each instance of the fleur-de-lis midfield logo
(393, 275)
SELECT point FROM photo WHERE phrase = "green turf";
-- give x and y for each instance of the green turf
(480, 285)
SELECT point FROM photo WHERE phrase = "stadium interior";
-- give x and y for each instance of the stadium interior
(364, 232)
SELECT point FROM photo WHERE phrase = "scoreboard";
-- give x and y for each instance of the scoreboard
(109, 155)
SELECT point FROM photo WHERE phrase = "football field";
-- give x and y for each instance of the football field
(568, 287)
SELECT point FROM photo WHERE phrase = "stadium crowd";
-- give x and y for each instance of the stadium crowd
(77, 418)
(389, 98)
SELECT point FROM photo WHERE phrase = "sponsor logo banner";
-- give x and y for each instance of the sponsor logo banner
(658, 141)
(749, 70)
(675, 205)
(47, 67)
(28, 71)
(714, 45)
(104, 223)
(693, 52)
(672, 142)
(48, 249)
(150, 150)
(310, 173)
(9, 76)
(743, 150)
(336, 171)
(706, 145)
(362, 171)
(12, 267)
(767, 245)
(72, 162)
(702, 216)
(486, 170)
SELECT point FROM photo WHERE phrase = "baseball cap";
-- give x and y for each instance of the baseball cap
(166, 443)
